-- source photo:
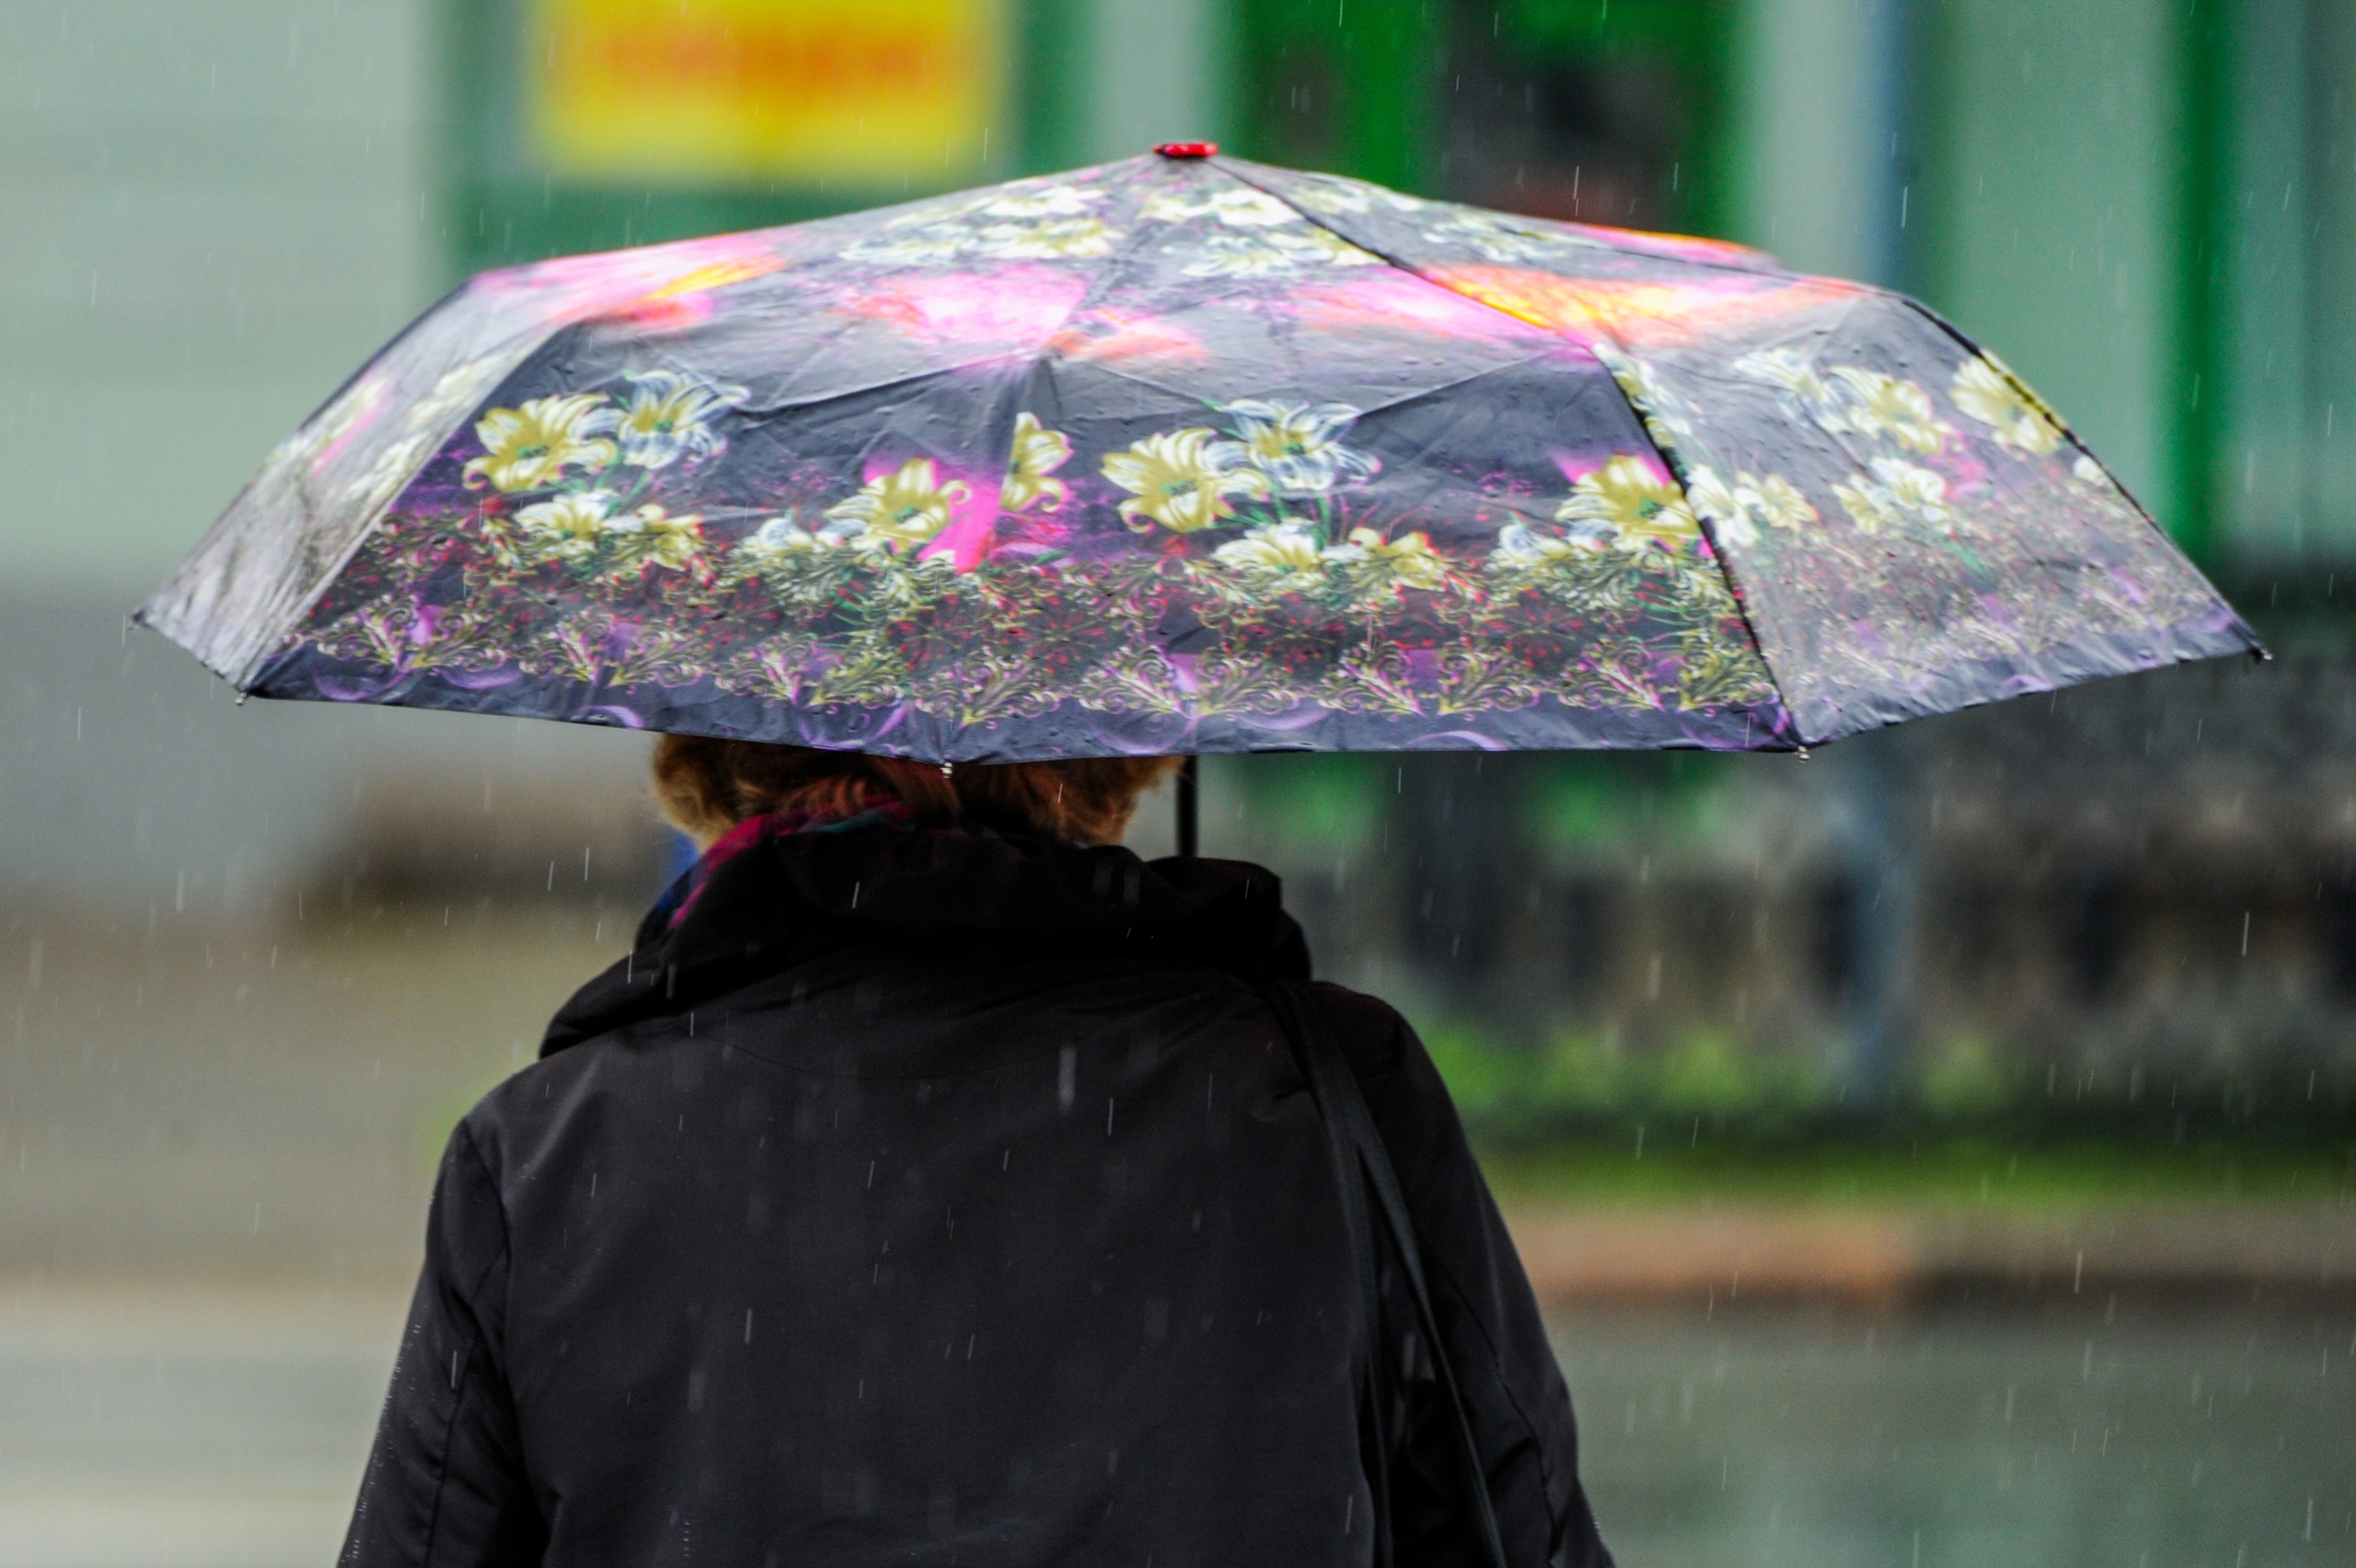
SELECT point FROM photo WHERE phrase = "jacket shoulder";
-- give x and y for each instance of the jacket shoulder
(1372, 1033)
(522, 1109)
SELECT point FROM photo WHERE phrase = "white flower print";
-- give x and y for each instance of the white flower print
(782, 539)
(1052, 240)
(1519, 545)
(386, 479)
(1051, 201)
(1242, 208)
(1884, 405)
(669, 417)
(1985, 389)
(1737, 512)
(1267, 251)
(1497, 239)
(1895, 491)
(1294, 444)
(1787, 368)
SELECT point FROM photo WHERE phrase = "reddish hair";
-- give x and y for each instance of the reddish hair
(706, 787)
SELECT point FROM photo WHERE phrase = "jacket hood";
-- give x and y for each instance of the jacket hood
(976, 896)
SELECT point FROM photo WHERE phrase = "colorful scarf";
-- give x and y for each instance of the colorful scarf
(872, 811)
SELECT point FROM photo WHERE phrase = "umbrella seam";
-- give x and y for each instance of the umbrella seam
(1401, 399)
(1228, 166)
(1669, 459)
(2071, 435)
(252, 663)
(277, 643)
(1047, 353)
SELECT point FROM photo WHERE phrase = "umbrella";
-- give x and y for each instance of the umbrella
(1187, 454)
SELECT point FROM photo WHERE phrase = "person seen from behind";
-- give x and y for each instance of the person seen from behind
(935, 1181)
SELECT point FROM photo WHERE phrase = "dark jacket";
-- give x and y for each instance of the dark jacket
(927, 1198)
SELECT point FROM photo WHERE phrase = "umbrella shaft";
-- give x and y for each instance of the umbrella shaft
(1189, 811)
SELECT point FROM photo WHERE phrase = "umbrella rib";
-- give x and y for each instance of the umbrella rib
(2071, 435)
(1669, 458)
(1229, 166)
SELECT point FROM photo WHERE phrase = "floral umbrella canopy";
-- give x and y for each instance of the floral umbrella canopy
(1186, 454)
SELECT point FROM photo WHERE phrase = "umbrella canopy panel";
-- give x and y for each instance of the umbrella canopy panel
(1186, 454)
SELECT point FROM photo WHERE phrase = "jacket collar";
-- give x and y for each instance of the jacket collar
(791, 897)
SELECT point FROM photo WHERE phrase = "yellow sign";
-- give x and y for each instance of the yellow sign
(745, 91)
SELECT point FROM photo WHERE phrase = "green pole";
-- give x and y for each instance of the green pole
(2197, 396)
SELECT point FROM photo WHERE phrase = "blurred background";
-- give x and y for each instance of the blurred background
(1939, 1151)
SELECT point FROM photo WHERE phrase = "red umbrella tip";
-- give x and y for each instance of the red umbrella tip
(1187, 149)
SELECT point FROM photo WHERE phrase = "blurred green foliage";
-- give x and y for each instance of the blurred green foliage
(1318, 804)
(1578, 1078)
(1585, 804)
(1683, 1162)
(1578, 1085)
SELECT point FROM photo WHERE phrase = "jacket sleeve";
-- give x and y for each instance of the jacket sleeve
(444, 1486)
(1516, 1402)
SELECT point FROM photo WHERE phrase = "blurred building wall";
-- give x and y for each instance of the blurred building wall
(1158, 71)
(208, 210)
(214, 211)
(1818, 107)
(210, 213)
(2049, 183)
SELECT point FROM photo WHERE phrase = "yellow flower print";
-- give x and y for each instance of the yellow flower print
(1239, 255)
(1234, 209)
(1986, 390)
(1883, 405)
(1182, 479)
(1868, 510)
(914, 248)
(1377, 569)
(653, 536)
(1272, 250)
(1736, 511)
(529, 448)
(1168, 209)
(568, 528)
(1497, 239)
(1283, 553)
(1627, 498)
(1038, 451)
(1050, 239)
(1047, 201)
(1332, 194)
(1324, 247)
(904, 508)
(1774, 500)
(1250, 208)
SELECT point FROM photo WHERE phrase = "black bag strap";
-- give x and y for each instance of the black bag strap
(1362, 1163)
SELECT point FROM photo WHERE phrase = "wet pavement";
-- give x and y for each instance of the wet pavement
(152, 1426)
(2101, 1433)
